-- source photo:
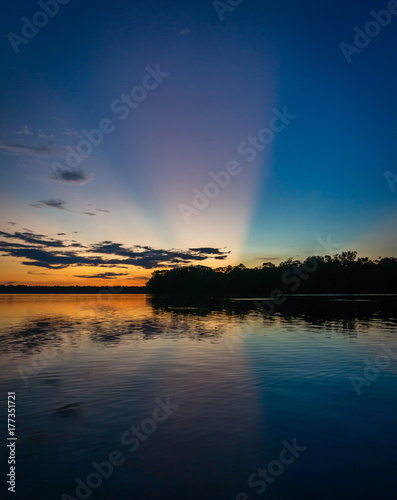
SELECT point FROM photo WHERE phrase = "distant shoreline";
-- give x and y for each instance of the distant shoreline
(41, 289)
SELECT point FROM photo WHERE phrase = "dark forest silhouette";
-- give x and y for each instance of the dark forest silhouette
(341, 273)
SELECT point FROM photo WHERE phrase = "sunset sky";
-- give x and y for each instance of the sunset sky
(181, 94)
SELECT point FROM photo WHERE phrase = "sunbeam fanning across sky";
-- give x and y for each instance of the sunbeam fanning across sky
(255, 130)
(198, 249)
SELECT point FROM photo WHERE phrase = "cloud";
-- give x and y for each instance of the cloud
(29, 150)
(69, 132)
(61, 234)
(89, 213)
(104, 276)
(58, 204)
(12, 223)
(74, 175)
(41, 134)
(35, 273)
(33, 239)
(24, 131)
(43, 251)
(104, 211)
(149, 258)
(208, 250)
(185, 31)
(44, 258)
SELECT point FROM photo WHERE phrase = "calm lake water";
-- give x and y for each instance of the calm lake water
(189, 403)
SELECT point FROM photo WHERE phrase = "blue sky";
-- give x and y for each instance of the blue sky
(321, 177)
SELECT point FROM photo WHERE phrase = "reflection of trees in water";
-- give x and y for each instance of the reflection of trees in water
(345, 316)
(350, 327)
(170, 326)
(36, 335)
(186, 304)
(172, 319)
(30, 337)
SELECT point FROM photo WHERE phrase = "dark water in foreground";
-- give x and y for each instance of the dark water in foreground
(212, 395)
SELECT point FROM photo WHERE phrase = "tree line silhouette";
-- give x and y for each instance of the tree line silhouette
(340, 273)
(77, 289)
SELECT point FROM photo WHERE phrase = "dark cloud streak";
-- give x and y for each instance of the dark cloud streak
(46, 252)
(29, 150)
(69, 175)
(104, 276)
(58, 204)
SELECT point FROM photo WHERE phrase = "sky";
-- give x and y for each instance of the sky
(137, 136)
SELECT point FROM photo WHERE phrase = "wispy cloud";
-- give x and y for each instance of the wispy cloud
(102, 210)
(41, 134)
(61, 205)
(32, 239)
(104, 276)
(24, 131)
(58, 204)
(18, 148)
(207, 250)
(70, 132)
(12, 223)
